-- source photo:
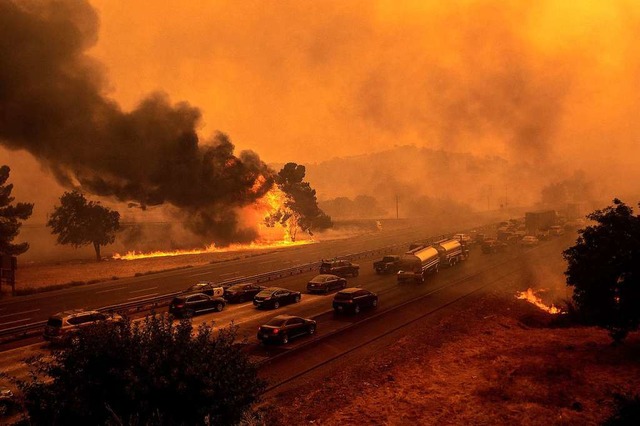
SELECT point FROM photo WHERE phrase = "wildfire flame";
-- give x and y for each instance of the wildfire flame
(531, 297)
(273, 201)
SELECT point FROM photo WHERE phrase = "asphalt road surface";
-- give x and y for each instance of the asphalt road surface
(22, 310)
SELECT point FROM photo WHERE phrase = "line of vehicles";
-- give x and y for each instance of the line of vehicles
(205, 296)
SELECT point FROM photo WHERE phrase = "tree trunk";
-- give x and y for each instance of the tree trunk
(96, 246)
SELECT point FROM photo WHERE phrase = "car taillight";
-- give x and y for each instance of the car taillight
(181, 305)
(276, 330)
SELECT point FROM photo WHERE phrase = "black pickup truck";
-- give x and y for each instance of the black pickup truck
(388, 265)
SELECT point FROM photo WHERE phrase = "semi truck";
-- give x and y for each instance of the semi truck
(417, 263)
(451, 251)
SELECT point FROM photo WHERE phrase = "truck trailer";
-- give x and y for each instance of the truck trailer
(451, 251)
(416, 264)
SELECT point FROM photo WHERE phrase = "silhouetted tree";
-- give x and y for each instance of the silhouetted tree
(604, 269)
(147, 373)
(301, 208)
(10, 217)
(79, 222)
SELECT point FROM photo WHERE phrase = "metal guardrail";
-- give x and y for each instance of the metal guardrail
(151, 303)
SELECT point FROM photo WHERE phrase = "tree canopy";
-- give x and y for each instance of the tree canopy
(301, 209)
(79, 222)
(604, 269)
(10, 217)
(150, 372)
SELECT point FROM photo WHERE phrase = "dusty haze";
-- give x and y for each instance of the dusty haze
(548, 88)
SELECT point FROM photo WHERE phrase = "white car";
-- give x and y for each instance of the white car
(529, 240)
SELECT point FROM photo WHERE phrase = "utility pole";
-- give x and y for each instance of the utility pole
(397, 211)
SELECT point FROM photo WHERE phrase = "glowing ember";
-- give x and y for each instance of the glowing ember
(531, 297)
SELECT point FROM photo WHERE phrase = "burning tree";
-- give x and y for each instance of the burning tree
(80, 222)
(299, 209)
(604, 269)
(10, 215)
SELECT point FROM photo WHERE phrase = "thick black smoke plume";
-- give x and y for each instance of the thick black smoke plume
(52, 104)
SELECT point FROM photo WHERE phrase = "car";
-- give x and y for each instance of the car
(354, 299)
(285, 327)
(556, 230)
(206, 287)
(324, 283)
(239, 293)
(274, 297)
(339, 267)
(63, 326)
(464, 238)
(8, 402)
(489, 246)
(529, 241)
(186, 306)
(387, 265)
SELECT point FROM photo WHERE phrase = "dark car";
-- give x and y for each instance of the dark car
(274, 297)
(62, 326)
(192, 304)
(493, 246)
(354, 299)
(388, 265)
(206, 287)
(339, 267)
(285, 327)
(324, 283)
(242, 292)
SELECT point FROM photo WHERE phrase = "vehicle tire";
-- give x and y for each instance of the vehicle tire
(285, 339)
(374, 303)
(297, 298)
(276, 305)
(356, 309)
(312, 330)
(219, 307)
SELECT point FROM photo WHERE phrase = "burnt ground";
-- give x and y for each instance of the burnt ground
(491, 360)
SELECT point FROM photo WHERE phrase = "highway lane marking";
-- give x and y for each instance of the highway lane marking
(143, 296)
(268, 261)
(13, 322)
(229, 274)
(113, 289)
(19, 313)
(202, 273)
(144, 289)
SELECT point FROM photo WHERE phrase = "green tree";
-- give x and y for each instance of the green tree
(10, 217)
(301, 209)
(604, 270)
(79, 222)
(152, 372)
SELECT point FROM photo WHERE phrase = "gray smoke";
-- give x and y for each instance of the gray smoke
(53, 104)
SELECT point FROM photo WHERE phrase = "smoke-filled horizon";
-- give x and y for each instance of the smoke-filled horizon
(551, 85)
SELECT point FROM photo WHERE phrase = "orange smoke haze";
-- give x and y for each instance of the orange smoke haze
(550, 84)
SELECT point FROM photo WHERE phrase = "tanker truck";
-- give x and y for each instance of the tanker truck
(451, 251)
(417, 263)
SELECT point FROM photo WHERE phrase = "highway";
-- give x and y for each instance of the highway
(22, 310)
(338, 335)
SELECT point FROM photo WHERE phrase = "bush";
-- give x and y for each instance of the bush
(152, 372)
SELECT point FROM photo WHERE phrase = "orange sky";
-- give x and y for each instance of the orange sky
(308, 81)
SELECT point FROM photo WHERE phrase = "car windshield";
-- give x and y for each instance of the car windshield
(319, 279)
(236, 288)
(343, 296)
(265, 293)
(277, 322)
(54, 322)
(326, 265)
(179, 300)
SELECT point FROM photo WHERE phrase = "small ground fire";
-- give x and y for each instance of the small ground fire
(531, 297)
